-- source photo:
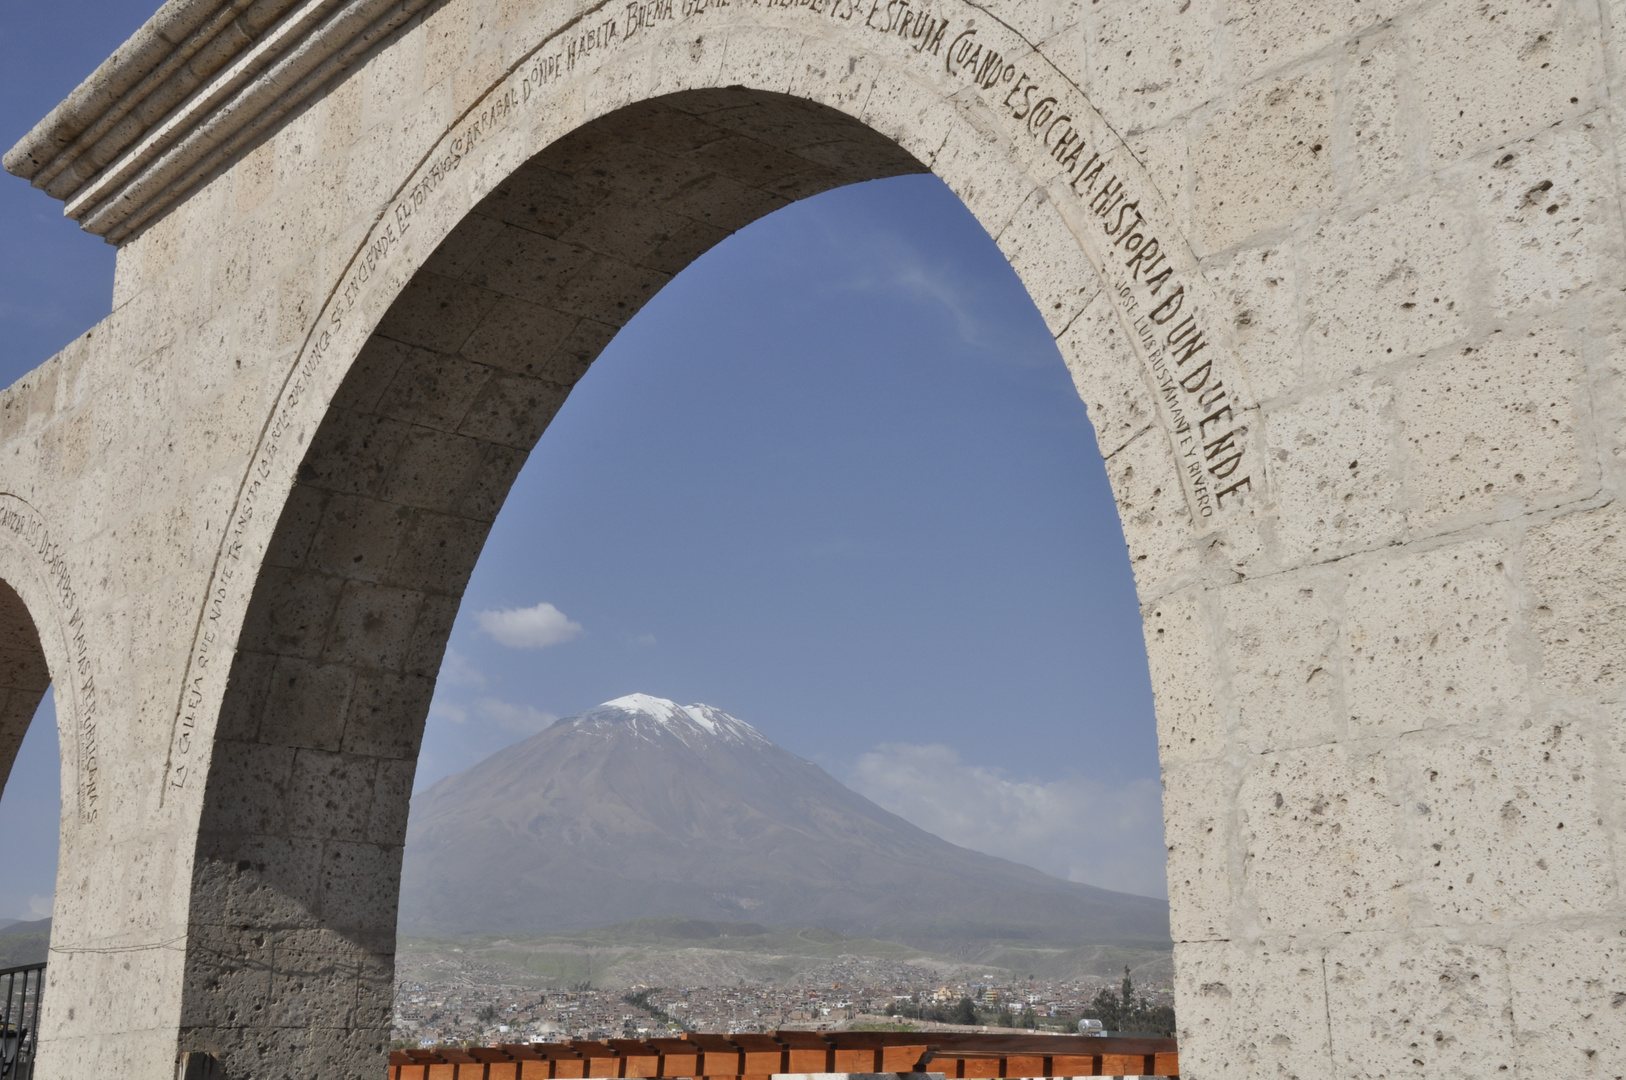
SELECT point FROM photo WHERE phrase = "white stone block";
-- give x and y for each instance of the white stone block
(1391, 283)
(1262, 156)
(1493, 430)
(1258, 1010)
(1485, 72)
(1146, 68)
(1426, 1008)
(1428, 640)
(1575, 574)
(1264, 36)
(1332, 464)
(1199, 811)
(1280, 636)
(1182, 648)
(1507, 826)
(1260, 287)
(1321, 834)
(1569, 1000)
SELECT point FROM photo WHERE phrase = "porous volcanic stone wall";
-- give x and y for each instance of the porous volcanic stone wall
(1341, 285)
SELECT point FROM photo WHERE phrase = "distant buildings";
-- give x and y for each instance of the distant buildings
(462, 1010)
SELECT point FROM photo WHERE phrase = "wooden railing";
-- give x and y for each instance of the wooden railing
(956, 1055)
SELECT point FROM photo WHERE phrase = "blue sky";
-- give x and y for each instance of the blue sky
(834, 479)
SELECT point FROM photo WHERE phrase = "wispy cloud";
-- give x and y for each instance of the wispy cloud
(493, 714)
(529, 628)
(456, 669)
(1075, 828)
(39, 907)
(520, 719)
(895, 265)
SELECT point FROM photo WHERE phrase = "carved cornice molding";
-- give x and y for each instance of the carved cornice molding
(193, 87)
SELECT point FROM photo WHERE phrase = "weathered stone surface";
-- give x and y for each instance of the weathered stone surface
(1321, 831)
(1428, 640)
(1430, 1009)
(1338, 283)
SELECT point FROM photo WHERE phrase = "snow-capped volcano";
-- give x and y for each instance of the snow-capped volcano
(668, 717)
(642, 807)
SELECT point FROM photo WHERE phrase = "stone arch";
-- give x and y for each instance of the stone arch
(44, 643)
(310, 776)
(304, 809)
(24, 676)
(309, 773)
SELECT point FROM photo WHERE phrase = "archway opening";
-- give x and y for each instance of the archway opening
(835, 481)
(30, 787)
(306, 804)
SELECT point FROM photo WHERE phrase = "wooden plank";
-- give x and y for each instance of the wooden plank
(763, 1062)
(519, 1051)
(502, 1070)
(718, 1056)
(901, 1059)
(720, 1063)
(764, 1055)
(1075, 1065)
(812, 1061)
(447, 1071)
(680, 1064)
(1122, 1064)
(549, 1051)
(809, 1052)
(536, 1069)
(980, 1068)
(1024, 1065)
(1167, 1064)
(854, 1061)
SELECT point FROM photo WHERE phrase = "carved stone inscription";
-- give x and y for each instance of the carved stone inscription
(20, 521)
(1203, 415)
(1138, 261)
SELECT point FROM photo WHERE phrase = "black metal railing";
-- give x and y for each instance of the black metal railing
(20, 990)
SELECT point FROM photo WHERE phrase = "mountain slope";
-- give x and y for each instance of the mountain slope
(24, 942)
(643, 807)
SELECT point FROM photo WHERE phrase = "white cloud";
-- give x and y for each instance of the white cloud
(1075, 828)
(452, 711)
(492, 713)
(39, 907)
(529, 628)
(521, 719)
(458, 670)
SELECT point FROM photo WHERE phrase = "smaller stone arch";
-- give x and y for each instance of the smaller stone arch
(24, 676)
(43, 643)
